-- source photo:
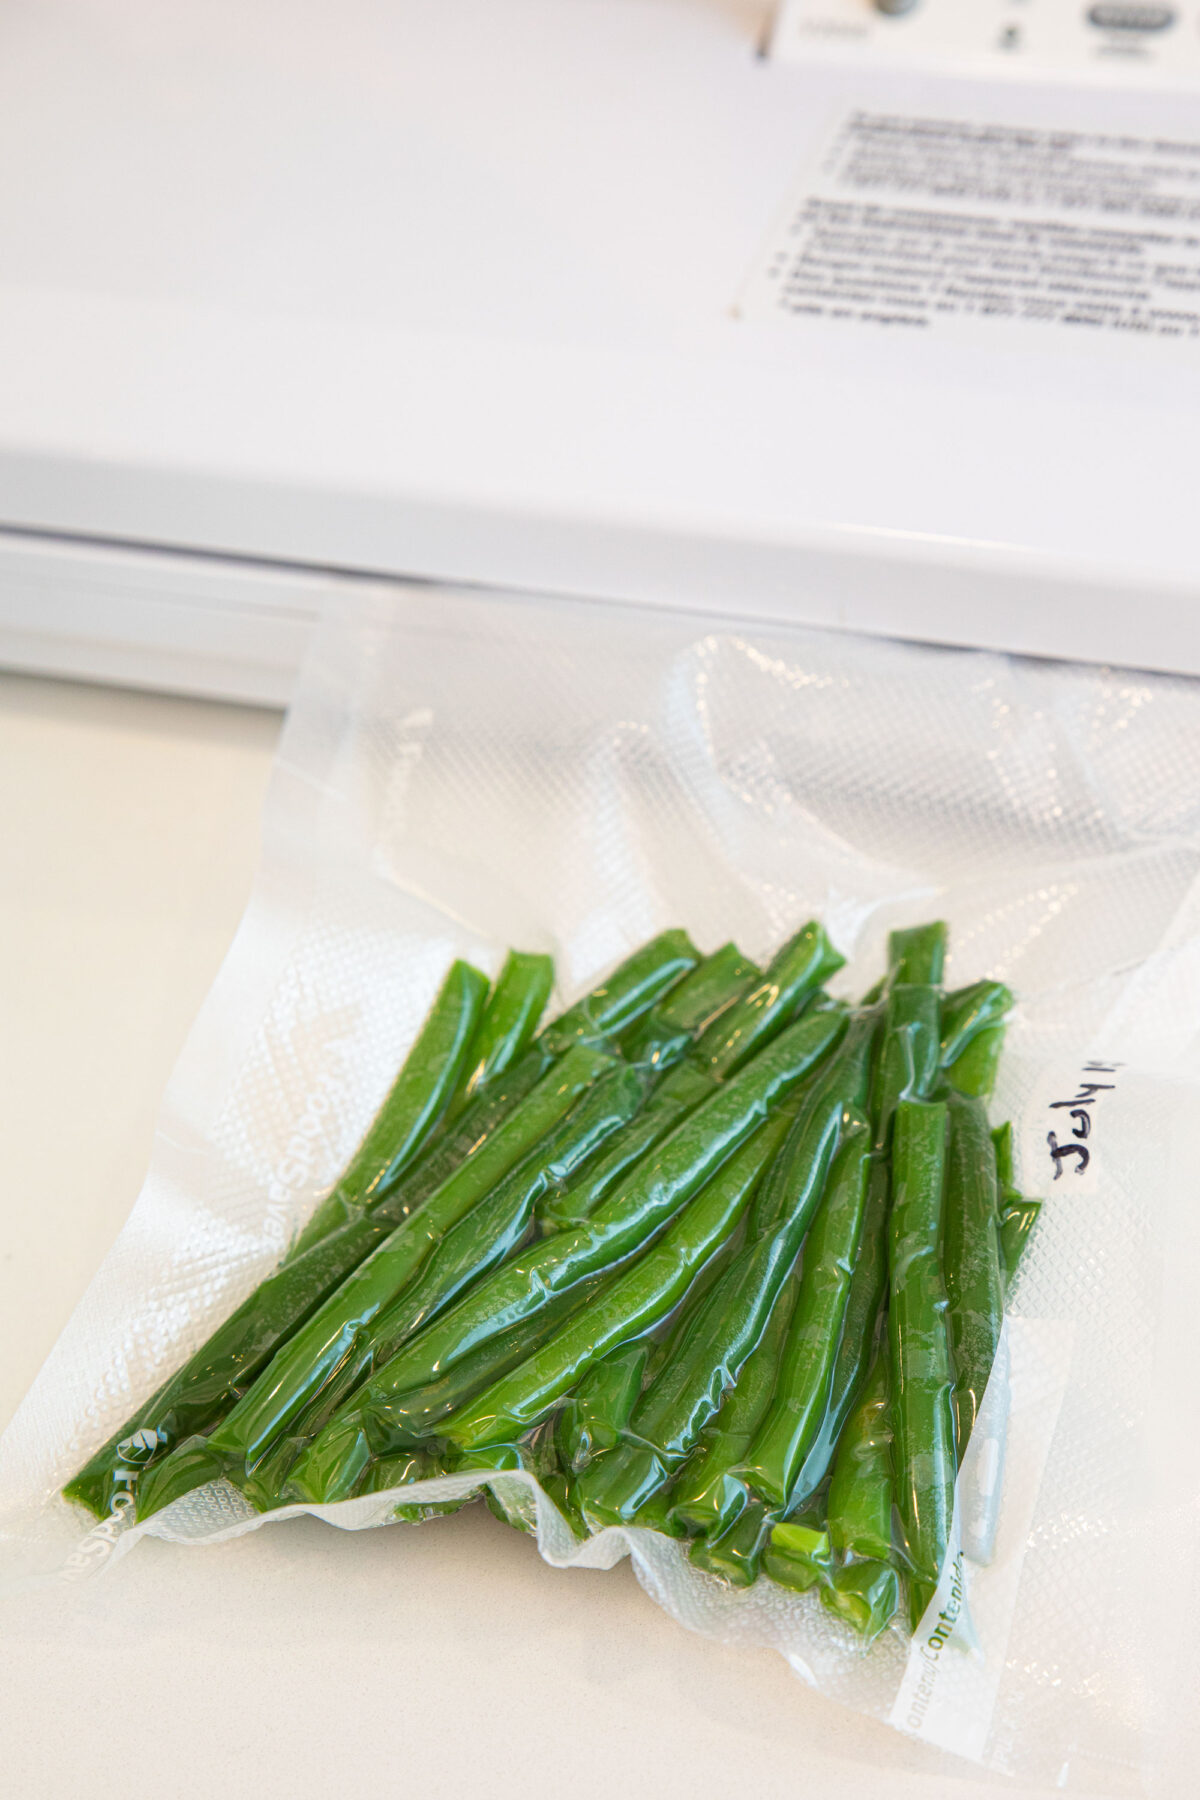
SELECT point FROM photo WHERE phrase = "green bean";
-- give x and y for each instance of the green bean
(691, 1006)
(499, 1223)
(702, 1362)
(399, 1471)
(598, 1410)
(655, 1515)
(1002, 1147)
(968, 1011)
(973, 1036)
(300, 1370)
(414, 1104)
(789, 1571)
(1018, 1216)
(441, 1156)
(679, 1094)
(906, 1067)
(792, 1191)
(224, 1367)
(802, 1390)
(511, 1017)
(1016, 1228)
(740, 1025)
(489, 1233)
(631, 990)
(737, 1555)
(642, 1296)
(703, 1359)
(859, 1504)
(708, 1494)
(917, 955)
(920, 1374)
(559, 1488)
(535, 1457)
(866, 1595)
(652, 1193)
(971, 1260)
(333, 1466)
(974, 1072)
(860, 1331)
(228, 1363)
(704, 995)
(793, 975)
(798, 1555)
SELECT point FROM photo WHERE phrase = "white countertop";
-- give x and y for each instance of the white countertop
(298, 1661)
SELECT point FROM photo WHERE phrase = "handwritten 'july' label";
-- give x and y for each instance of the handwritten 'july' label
(1064, 1130)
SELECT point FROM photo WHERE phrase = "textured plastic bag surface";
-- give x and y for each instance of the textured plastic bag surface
(462, 773)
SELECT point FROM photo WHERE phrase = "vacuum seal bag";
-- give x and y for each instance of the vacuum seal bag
(753, 1256)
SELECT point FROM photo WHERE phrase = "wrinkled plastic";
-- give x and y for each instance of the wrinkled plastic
(462, 774)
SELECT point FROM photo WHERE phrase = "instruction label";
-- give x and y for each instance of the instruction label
(917, 224)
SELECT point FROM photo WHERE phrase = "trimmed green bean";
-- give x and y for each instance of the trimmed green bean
(917, 955)
(692, 1005)
(299, 1371)
(224, 1367)
(974, 1072)
(489, 1233)
(1016, 1228)
(642, 1296)
(652, 1193)
(682, 1091)
(971, 1261)
(399, 1471)
(631, 990)
(441, 1155)
(708, 1494)
(1002, 1146)
(702, 1363)
(865, 1595)
(906, 1067)
(1018, 1216)
(232, 1358)
(860, 1330)
(333, 1466)
(413, 1107)
(921, 1376)
(736, 1557)
(798, 1555)
(598, 1410)
(510, 1018)
(703, 1358)
(499, 1223)
(792, 976)
(859, 1504)
(806, 1369)
(970, 1010)
(700, 998)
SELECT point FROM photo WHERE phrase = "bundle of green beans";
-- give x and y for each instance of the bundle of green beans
(711, 1253)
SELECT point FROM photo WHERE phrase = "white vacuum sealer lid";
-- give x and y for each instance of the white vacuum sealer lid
(482, 290)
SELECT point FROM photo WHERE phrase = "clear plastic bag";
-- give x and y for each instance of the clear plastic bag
(461, 773)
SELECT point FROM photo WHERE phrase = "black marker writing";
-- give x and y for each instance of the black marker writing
(1078, 1108)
